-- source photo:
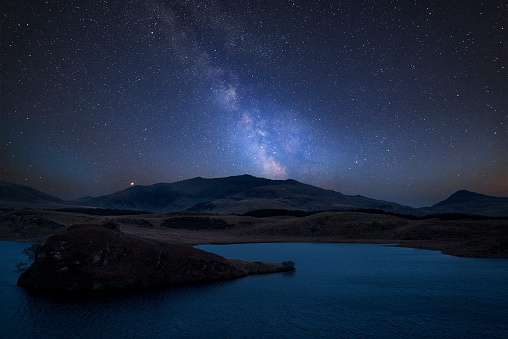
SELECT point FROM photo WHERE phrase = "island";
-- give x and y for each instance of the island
(97, 257)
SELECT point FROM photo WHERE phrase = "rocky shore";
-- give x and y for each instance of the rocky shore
(92, 257)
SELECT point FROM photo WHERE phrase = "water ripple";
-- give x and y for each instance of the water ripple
(338, 290)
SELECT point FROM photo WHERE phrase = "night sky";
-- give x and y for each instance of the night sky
(403, 101)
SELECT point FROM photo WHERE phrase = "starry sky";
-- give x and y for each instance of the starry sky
(404, 101)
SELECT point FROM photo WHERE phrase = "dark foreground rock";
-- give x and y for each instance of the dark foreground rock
(96, 258)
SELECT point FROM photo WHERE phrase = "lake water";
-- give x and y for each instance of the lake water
(338, 290)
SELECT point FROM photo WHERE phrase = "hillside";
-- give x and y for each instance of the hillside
(237, 194)
(471, 203)
(90, 257)
(240, 194)
(19, 196)
(460, 237)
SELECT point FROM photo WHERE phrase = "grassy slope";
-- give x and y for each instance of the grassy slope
(469, 238)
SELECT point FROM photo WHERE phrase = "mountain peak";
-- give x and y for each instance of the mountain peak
(468, 202)
(464, 195)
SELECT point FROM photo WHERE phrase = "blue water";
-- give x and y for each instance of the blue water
(338, 290)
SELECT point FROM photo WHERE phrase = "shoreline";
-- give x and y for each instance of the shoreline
(443, 247)
(460, 238)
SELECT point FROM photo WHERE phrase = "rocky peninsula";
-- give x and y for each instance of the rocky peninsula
(93, 257)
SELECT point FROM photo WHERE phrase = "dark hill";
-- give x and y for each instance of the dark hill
(240, 194)
(19, 196)
(237, 194)
(14, 192)
(464, 196)
(91, 257)
(177, 196)
(467, 202)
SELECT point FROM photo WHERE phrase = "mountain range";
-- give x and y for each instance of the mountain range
(239, 194)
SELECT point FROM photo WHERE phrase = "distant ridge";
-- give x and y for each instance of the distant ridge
(243, 193)
(236, 194)
(468, 202)
(20, 196)
(463, 196)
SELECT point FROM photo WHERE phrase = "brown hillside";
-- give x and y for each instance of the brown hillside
(92, 257)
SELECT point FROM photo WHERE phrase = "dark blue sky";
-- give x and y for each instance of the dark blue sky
(396, 100)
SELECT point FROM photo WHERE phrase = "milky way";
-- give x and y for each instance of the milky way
(396, 100)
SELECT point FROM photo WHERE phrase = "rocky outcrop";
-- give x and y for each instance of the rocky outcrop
(95, 258)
